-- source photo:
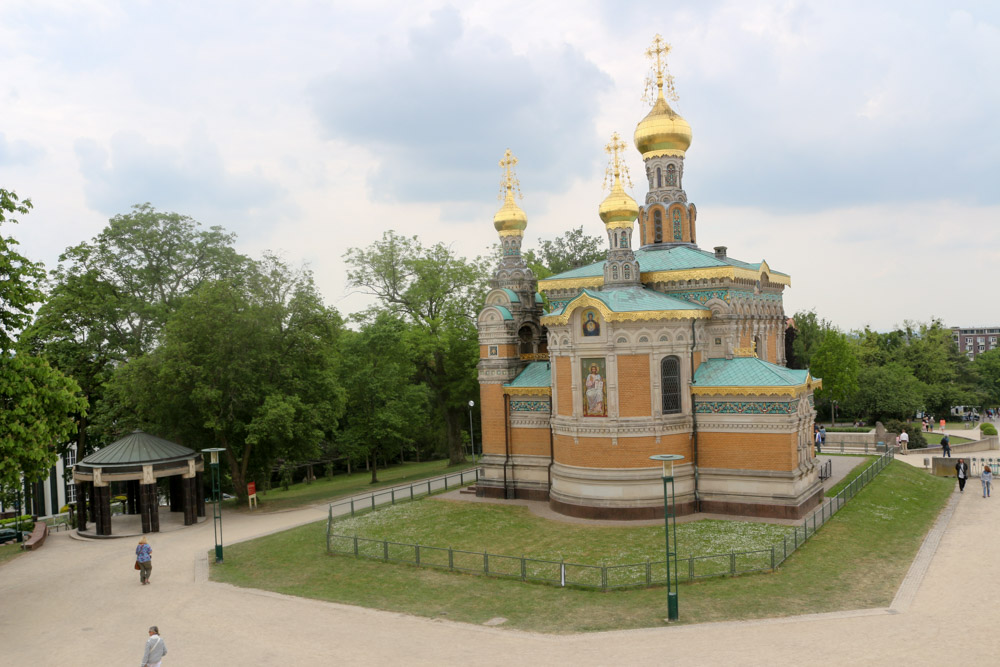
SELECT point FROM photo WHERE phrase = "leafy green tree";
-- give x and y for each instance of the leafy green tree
(249, 366)
(987, 367)
(567, 251)
(834, 361)
(890, 391)
(440, 293)
(386, 408)
(112, 296)
(36, 401)
(809, 333)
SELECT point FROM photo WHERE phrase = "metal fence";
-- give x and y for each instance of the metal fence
(396, 494)
(603, 577)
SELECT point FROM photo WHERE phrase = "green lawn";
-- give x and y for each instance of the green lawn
(515, 531)
(856, 561)
(324, 489)
(935, 439)
(9, 551)
(855, 472)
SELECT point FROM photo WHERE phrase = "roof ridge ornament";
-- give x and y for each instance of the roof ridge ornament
(509, 185)
(617, 170)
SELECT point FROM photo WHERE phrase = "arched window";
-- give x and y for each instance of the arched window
(677, 224)
(670, 382)
(624, 240)
(627, 272)
(614, 272)
(658, 183)
(657, 226)
(671, 175)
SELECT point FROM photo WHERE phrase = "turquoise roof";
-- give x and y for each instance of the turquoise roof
(538, 298)
(504, 312)
(512, 295)
(634, 299)
(138, 448)
(747, 372)
(670, 258)
(537, 374)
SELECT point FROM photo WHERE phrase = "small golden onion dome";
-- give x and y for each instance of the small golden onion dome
(618, 206)
(510, 217)
(662, 131)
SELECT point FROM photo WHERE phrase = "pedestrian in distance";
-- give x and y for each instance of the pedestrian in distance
(819, 443)
(962, 472)
(822, 436)
(903, 440)
(144, 560)
(987, 477)
(946, 445)
(155, 649)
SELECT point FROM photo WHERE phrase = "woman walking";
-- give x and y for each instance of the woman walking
(962, 472)
(144, 559)
(987, 478)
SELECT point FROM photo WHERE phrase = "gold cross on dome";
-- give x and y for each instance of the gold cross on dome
(659, 76)
(509, 182)
(617, 166)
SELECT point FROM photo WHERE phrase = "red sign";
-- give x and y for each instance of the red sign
(252, 488)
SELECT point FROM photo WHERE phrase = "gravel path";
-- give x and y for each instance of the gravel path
(80, 603)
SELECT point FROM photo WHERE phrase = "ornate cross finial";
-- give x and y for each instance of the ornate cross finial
(509, 182)
(658, 75)
(616, 166)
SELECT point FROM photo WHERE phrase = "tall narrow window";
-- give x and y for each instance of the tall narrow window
(657, 226)
(677, 224)
(627, 272)
(671, 175)
(658, 183)
(614, 272)
(670, 382)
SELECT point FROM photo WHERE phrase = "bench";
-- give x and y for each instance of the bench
(38, 535)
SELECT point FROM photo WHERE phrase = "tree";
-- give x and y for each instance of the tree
(440, 293)
(249, 366)
(835, 363)
(987, 367)
(889, 391)
(385, 407)
(809, 333)
(36, 401)
(568, 251)
(112, 296)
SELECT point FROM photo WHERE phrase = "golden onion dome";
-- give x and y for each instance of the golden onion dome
(662, 131)
(618, 206)
(510, 217)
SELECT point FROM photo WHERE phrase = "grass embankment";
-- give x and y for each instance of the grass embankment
(9, 551)
(935, 439)
(856, 561)
(326, 489)
(855, 472)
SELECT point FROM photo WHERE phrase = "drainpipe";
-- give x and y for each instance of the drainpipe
(694, 427)
(552, 447)
(506, 437)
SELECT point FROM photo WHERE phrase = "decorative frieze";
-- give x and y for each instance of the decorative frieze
(747, 407)
(530, 406)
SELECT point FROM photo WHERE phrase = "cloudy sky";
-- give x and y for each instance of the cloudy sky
(854, 145)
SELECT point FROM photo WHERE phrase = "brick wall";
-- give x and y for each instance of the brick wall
(491, 404)
(503, 351)
(628, 453)
(529, 441)
(633, 385)
(748, 451)
(564, 380)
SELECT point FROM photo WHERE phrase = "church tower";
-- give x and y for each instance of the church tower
(619, 211)
(663, 137)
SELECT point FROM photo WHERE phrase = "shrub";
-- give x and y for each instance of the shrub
(849, 429)
(988, 429)
(915, 431)
(7, 523)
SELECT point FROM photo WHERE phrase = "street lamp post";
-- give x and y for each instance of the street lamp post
(216, 499)
(472, 433)
(670, 525)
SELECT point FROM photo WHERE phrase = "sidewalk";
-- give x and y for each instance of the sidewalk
(80, 603)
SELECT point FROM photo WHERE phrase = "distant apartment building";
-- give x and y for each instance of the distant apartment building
(973, 342)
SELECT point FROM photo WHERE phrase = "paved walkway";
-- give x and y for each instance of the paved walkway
(80, 603)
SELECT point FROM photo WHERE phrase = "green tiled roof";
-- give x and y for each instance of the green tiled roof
(512, 295)
(639, 299)
(138, 448)
(538, 298)
(537, 374)
(673, 258)
(503, 312)
(747, 372)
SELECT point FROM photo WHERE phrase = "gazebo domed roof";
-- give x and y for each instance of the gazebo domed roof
(138, 448)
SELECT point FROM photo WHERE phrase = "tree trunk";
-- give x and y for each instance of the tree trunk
(453, 426)
(236, 470)
(374, 467)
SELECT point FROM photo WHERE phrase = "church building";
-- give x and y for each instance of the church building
(662, 349)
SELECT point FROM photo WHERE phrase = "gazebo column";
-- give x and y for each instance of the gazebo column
(149, 501)
(176, 494)
(132, 493)
(93, 503)
(102, 503)
(199, 499)
(81, 506)
(188, 494)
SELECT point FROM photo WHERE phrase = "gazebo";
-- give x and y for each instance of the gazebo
(139, 460)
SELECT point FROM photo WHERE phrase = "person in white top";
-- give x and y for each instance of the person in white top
(904, 442)
(155, 649)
